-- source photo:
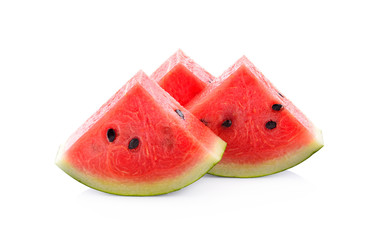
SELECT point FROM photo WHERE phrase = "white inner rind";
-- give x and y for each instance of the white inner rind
(145, 188)
(270, 166)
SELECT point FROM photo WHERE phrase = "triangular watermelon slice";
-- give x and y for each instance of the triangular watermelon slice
(264, 131)
(181, 77)
(141, 142)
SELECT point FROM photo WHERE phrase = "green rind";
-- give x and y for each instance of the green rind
(238, 171)
(145, 189)
(268, 173)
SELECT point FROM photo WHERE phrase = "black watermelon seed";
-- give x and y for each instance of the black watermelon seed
(133, 144)
(204, 122)
(270, 124)
(111, 135)
(227, 123)
(178, 111)
(280, 95)
(277, 107)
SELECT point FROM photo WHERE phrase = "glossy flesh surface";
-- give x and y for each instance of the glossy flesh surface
(261, 139)
(169, 155)
(181, 77)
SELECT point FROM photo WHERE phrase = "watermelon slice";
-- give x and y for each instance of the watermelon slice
(181, 77)
(141, 142)
(264, 131)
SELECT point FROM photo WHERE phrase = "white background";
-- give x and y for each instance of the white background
(61, 60)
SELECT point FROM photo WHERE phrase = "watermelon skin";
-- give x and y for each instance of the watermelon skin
(135, 188)
(271, 166)
(243, 95)
(181, 77)
(172, 152)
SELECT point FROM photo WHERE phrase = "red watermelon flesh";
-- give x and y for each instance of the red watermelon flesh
(264, 131)
(141, 142)
(181, 77)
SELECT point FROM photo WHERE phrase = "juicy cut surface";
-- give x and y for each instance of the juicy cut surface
(181, 77)
(246, 111)
(139, 137)
(182, 84)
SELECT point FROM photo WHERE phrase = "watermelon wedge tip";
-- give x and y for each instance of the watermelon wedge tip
(182, 77)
